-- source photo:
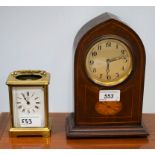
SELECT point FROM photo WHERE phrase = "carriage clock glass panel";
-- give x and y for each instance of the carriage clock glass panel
(28, 107)
(108, 62)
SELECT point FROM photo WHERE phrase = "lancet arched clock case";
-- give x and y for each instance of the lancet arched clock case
(109, 69)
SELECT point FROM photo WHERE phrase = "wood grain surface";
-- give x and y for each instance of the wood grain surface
(58, 137)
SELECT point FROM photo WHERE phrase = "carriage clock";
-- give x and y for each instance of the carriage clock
(28, 92)
(109, 69)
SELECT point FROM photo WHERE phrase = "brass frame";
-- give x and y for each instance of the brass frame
(42, 82)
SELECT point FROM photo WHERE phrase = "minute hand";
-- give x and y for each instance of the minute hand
(117, 58)
(25, 99)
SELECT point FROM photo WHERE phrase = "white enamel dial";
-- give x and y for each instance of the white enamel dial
(28, 107)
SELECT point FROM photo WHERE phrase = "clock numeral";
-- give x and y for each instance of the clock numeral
(108, 77)
(117, 75)
(94, 53)
(116, 46)
(19, 107)
(37, 102)
(91, 62)
(27, 93)
(99, 47)
(101, 75)
(19, 98)
(108, 44)
(32, 95)
(23, 110)
(123, 51)
(36, 98)
(18, 102)
(36, 107)
(123, 68)
(94, 70)
(126, 60)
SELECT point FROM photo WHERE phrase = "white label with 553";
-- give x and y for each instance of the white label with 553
(30, 121)
(109, 95)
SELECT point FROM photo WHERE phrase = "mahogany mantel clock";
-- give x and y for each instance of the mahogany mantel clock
(109, 69)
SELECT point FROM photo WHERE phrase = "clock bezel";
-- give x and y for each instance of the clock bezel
(120, 80)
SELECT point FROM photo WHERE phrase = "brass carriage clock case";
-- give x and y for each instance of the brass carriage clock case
(28, 94)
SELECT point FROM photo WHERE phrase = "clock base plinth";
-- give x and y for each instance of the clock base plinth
(110, 131)
(16, 132)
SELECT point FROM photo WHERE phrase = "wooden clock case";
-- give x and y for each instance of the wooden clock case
(85, 121)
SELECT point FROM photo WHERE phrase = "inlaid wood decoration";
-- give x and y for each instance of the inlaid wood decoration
(109, 69)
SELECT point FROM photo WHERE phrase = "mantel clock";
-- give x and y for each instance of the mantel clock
(109, 69)
(28, 92)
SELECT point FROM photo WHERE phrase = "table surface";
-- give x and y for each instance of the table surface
(58, 138)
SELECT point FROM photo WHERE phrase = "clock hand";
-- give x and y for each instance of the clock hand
(117, 58)
(108, 65)
(25, 99)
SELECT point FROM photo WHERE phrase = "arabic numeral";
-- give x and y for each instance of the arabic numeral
(99, 47)
(91, 62)
(108, 44)
(108, 77)
(94, 53)
(94, 70)
(116, 46)
(123, 51)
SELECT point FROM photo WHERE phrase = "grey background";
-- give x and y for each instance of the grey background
(42, 38)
